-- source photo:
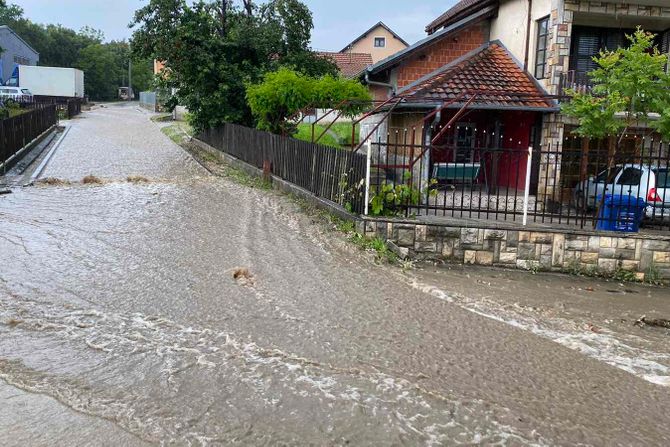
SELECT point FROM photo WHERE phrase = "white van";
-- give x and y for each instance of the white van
(17, 94)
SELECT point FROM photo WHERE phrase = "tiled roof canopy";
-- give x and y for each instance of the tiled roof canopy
(457, 12)
(491, 73)
(350, 64)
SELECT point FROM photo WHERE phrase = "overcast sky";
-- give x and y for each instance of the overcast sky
(336, 22)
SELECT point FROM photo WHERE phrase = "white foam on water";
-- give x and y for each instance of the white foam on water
(270, 376)
(603, 345)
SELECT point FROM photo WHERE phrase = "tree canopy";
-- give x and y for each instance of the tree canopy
(213, 49)
(283, 94)
(105, 63)
(631, 89)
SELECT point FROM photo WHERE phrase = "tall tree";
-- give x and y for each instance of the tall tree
(631, 89)
(213, 49)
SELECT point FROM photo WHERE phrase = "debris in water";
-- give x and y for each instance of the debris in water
(53, 181)
(137, 179)
(657, 322)
(91, 180)
(593, 328)
(13, 322)
(243, 276)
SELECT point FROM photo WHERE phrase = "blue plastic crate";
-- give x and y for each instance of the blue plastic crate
(621, 213)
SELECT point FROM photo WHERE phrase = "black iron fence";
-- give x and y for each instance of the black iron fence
(333, 174)
(18, 131)
(575, 184)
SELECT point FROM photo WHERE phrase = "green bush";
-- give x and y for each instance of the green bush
(279, 99)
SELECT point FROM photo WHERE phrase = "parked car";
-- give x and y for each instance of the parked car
(17, 94)
(635, 180)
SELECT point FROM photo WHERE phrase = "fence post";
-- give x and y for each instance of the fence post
(526, 194)
(368, 160)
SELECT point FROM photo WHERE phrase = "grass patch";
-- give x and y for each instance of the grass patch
(374, 245)
(651, 276)
(178, 132)
(343, 131)
(241, 177)
(166, 117)
(305, 134)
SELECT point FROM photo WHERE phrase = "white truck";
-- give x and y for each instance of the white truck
(50, 81)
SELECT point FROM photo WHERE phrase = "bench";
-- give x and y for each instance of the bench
(456, 172)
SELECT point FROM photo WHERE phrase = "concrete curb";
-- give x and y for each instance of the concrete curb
(14, 159)
(53, 149)
(279, 183)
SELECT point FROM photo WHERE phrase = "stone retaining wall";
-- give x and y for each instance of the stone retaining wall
(575, 251)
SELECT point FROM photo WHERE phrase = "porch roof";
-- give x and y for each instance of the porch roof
(489, 72)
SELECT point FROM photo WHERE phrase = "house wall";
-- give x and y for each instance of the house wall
(16, 52)
(510, 27)
(367, 45)
(441, 53)
(158, 66)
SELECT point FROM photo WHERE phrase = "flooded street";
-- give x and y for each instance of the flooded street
(121, 323)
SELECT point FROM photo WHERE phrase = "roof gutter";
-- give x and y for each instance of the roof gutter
(379, 84)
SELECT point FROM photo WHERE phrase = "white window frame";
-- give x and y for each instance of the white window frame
(374, 42)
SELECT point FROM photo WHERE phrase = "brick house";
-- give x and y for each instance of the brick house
(503, 65)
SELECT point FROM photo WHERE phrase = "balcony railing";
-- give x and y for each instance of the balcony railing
(574, 80)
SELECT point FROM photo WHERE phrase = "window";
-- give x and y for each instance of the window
(588, 41)
(662, 178)
(21, 60)
(602, 177)
(630, 176)
(541, 48)
(380, 42)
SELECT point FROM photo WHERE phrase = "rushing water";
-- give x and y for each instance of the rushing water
(119, 315)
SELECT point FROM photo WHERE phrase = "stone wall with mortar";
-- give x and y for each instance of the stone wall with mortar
(645, 255)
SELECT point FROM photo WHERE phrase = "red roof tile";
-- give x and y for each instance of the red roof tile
(350, 64)
(490, 72)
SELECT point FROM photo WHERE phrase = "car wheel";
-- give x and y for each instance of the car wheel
(579, 201)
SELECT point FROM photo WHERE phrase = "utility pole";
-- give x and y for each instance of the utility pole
(131, 95)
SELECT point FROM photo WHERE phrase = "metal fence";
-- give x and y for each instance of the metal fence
(17, 132)
(568, 186)
(148, 100)
(333, 174)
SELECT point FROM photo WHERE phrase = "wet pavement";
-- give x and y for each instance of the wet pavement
(120, 318)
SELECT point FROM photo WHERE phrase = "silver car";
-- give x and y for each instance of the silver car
(647, 182)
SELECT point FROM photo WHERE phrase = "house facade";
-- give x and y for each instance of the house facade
(379, 42)
(500, 67)
(15, 52)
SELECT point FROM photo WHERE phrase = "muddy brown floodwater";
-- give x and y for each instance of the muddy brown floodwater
(121, 323)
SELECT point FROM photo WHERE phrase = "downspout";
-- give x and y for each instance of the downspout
(530, 17)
